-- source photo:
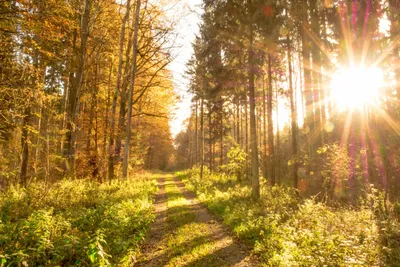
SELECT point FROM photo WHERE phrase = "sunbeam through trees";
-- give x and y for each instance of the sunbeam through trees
(288, 154)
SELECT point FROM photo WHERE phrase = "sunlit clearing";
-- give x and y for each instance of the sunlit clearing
(356, 87)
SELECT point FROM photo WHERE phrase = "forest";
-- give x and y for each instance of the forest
(289, 153)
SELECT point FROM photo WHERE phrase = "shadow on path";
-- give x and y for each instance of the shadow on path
(187, 234)
(157, 229)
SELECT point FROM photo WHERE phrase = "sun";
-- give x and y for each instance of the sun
(356, 87)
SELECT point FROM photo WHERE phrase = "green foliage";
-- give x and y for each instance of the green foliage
(387, 214)
(288, 231)
(74, 222)
(237, 162)
(335, 171)
(96, 252)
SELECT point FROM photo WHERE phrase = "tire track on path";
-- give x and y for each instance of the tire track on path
(185, 233)
(152, 249)
(228, 251)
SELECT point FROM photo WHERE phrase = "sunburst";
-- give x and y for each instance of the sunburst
(357, 87)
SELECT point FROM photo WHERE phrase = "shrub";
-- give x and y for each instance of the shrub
(77, 222)
(237, 162)
(288, 231)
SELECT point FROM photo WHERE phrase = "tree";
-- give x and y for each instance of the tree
(75, 88)
(253, 130)
(130, 92)
(111, 157)
(56, 77)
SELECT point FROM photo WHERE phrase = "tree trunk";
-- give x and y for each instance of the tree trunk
(317, 76)
(130, 93)
(271, 148)
(252, 100)
(293, 113)
(221, 136)
(189, 155)
(106, 116)
(246, 134)
(25, 147)
(123, 102)
(260, 128)
(67, 87)
(238, 121)
(115, 97)
(210, 159)
(37, 146)
(278, 142)
(196, 136)
(74, 92)
(202, 138)
(309, 98)
(234, 119)
(264, 137)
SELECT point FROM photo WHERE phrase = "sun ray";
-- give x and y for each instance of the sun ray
(346, 131)
(383, 56)
(364, 147)
(390, 121)
(343, 13)
(376, 156)
(319, 44)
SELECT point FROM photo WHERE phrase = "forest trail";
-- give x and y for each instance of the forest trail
(186, 234)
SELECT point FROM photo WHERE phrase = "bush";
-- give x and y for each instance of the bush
(288, 231)
(74, 222)
(237, 162)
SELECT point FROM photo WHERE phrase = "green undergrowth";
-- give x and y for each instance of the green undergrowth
(285, 230)
(75, 222)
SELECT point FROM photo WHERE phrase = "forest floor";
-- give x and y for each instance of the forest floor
(185, 233)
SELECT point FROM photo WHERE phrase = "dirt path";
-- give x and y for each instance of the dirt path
(186, 234)
(152, 249)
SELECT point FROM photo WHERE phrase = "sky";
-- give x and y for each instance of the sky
(186, 29)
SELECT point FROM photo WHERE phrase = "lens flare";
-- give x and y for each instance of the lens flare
(356, 87)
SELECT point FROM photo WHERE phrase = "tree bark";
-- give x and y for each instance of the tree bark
(123, 101)
(309, 97)
(196, 135)
(253, 129)
(67, 87)
(278, 142)
(293, 113)
(189, 155)
(106, 116)
(210, 137)
(221, 135)
(271, 147)
(238, 120)
(130, 93)
(74, 92)
(264, 126)
(246, 134)
(317, 76)
(25, 147)
(202, 138)
(111, 156)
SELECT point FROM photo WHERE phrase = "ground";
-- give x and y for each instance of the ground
(186, 234)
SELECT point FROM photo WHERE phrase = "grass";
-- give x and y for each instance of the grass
(285, 230)
(75, 222)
